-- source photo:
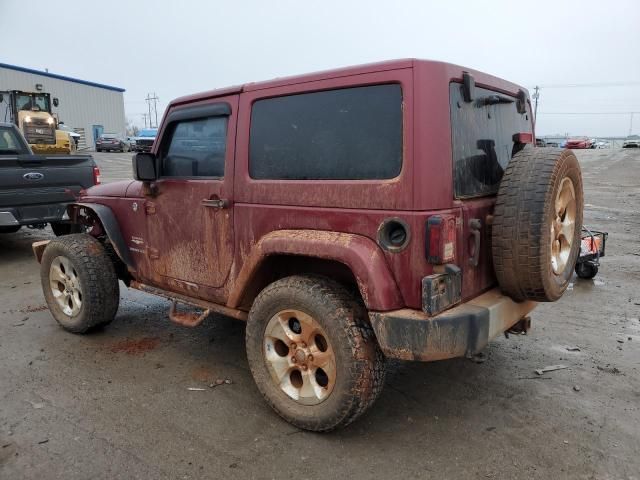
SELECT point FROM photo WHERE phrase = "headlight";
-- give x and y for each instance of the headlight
(27, 119)
(50, 121)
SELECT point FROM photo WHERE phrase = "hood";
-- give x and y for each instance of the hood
(112, 189)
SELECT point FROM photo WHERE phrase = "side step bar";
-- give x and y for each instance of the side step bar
(189, 319)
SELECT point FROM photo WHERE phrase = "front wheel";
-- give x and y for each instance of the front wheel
(312, 353)
(79, 282)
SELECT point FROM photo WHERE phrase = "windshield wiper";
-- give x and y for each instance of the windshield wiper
(493, 100)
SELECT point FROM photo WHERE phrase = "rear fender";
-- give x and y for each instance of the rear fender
(111, 229)
(361, 254)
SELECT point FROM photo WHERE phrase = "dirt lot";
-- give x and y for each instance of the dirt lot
(116, 404)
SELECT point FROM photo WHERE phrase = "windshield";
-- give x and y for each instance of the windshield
(108, 135)
(482, 139)
(26, 101)
(148, 133)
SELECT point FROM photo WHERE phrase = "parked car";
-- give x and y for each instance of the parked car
(632, 141)
(36, 189)
(601, 144)
(111, 142)
(145, 139)
(326, 211)
(579, 143)
(132, 143)
(540, 142)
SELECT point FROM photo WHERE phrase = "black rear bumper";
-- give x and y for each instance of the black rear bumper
(32, 214)
(460, 331)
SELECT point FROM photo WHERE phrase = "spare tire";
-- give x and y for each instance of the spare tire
(537, 224)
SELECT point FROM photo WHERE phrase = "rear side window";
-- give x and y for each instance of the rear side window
(346, 134)
(196, 148)
(482, 139)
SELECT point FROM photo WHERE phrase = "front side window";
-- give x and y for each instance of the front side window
(196, 148)
(346, 134)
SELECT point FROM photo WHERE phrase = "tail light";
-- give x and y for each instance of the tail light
(441, 239)
(96, 176)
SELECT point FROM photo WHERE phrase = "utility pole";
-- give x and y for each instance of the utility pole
(536, 95)
(153, 99)
(155, 107)
(631, 124)
(144, 115)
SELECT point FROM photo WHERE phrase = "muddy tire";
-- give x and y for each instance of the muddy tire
(537, 223)
(312, 353)
(79, 283)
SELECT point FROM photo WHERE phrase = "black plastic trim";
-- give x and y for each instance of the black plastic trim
(112, 229)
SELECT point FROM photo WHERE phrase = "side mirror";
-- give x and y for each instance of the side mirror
(144, 167)
(56, 102)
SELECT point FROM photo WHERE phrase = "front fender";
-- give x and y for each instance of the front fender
(111, 228)
(361, 254)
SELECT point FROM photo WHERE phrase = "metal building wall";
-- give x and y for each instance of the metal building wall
(81, 106)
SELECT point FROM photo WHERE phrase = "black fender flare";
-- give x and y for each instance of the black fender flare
(112, 230)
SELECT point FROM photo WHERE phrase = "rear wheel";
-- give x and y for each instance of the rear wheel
(537, 223)
(312, 353)
(79, 283)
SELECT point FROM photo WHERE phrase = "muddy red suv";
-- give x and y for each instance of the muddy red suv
(393, 210)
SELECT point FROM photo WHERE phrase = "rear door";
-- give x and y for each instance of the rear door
(483, 141)
(190, 218)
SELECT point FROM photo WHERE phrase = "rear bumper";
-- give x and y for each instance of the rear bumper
(460, 331)
(32, 214)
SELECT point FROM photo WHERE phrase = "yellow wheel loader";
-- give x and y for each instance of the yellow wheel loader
(31, 112)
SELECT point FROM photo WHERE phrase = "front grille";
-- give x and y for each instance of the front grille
(40, 132)
(145, 142)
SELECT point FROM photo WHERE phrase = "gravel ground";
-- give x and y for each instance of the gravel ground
(117, 404)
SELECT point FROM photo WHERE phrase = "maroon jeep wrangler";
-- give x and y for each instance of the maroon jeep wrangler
(393, 210)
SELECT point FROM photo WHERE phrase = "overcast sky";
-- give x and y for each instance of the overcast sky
(178, 47)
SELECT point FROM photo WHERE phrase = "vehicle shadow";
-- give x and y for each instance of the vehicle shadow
(16, 246)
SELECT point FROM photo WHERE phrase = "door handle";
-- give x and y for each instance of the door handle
(215, 203)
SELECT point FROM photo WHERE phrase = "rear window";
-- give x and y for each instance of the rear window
(9, 142)
(346, 134)
(482, 139)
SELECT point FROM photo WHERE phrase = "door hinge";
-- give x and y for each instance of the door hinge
(153, 253)
(150, 208)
